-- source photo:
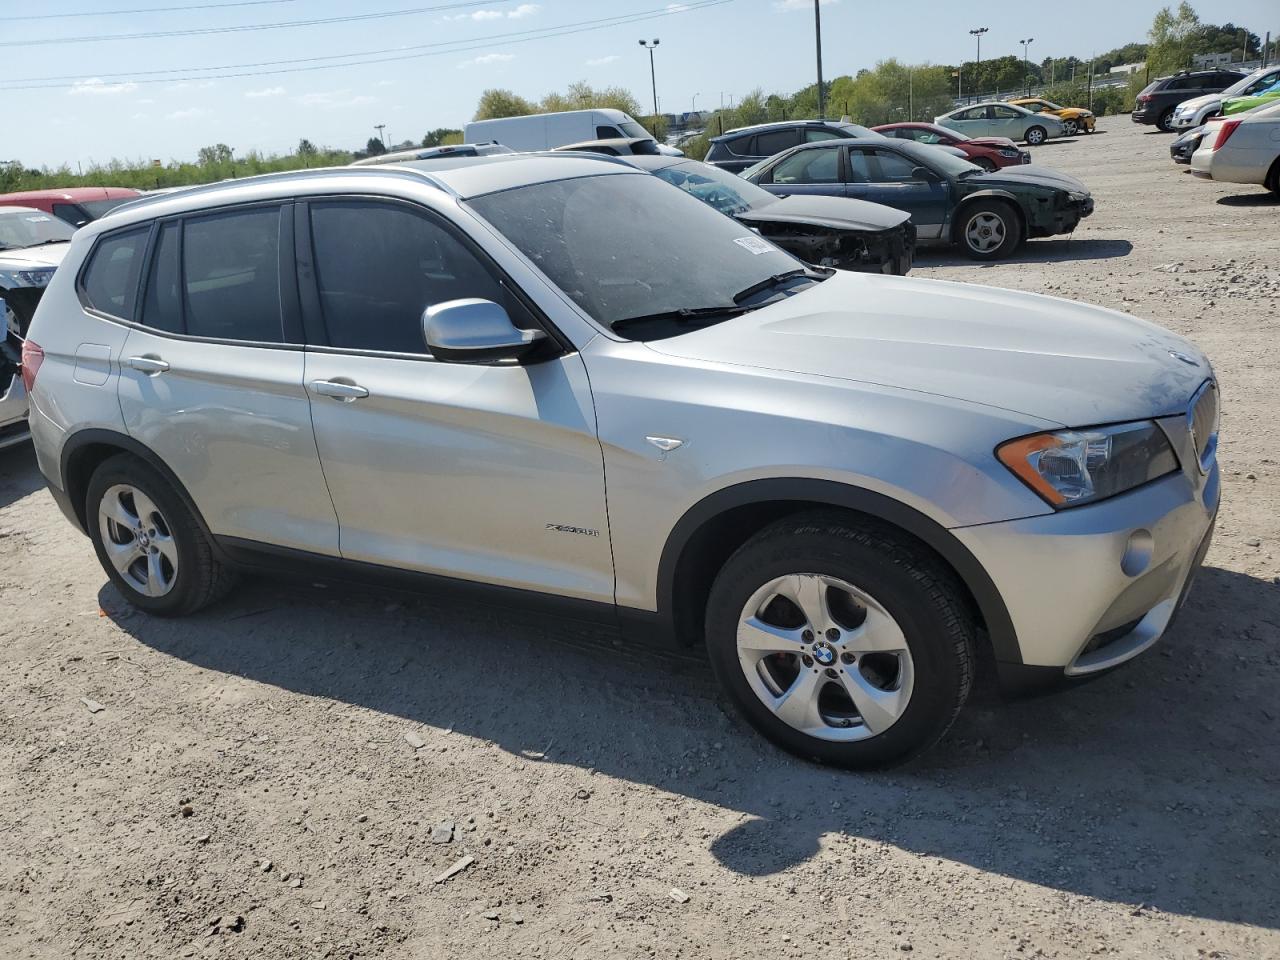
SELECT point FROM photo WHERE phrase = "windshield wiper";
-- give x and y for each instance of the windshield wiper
(682, 315)
(776, 279)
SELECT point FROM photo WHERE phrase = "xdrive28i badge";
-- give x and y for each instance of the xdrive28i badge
(567, 528)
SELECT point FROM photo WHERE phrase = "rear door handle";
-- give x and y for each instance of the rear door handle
(149, 365)
(338, 390)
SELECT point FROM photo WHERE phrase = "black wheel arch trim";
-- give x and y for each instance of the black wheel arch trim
(986, 595)
(96, 436)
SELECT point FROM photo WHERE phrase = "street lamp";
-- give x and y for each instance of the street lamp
(653, 78)
(1026, 70)
(977, 64)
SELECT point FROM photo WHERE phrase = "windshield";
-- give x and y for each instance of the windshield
(858, 130)
(725, 191)
(1251, 85)
(633, 129)
(30, 227)
(608, 243)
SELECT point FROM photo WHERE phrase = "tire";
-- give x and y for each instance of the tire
(988, 229)
(986, 163)
(909, 691)
(1035, 136)
(164, 563)
(1165, 122)
(1273, 178)
(1070, 128)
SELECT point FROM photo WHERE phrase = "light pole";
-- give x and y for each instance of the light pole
(653, 78)
(380, 127)
(695, 104)
(977, 32)
(1026, 70)
(817, 37)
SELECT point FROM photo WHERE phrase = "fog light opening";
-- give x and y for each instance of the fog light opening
(1137, 553)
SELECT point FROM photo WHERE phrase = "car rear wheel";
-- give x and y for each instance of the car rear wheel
(988, 230)
(1035, 136)
(841, 640)
(1070, 128)
(1165, 122)
(149, 542)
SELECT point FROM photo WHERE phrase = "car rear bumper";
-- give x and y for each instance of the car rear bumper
(1144, 115)
(13, 413)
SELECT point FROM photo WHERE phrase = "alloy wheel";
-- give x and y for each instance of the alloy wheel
(137, 540)
(1069, 128)
(825, 657)
(1035, 136)
(984, 232)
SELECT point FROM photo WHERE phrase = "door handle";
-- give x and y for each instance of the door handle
(147, 365)
(338, 390)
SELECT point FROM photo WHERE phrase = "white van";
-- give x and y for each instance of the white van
(546, 131)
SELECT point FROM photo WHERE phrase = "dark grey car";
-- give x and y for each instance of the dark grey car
(738, 149)
(1156, 103)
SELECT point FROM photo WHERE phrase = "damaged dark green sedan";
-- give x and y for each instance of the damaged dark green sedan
(951, 201)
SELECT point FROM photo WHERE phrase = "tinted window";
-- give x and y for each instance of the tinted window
(809, 166)
(742, 146)
(162, 306)
(1184, 83)
(96, 208)
(816, 134)
(607, 133)
(70, 213)
(111, 280)
(231, 275)
(379, 266)
(767, 144)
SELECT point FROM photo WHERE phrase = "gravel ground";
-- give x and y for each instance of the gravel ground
(274, 778)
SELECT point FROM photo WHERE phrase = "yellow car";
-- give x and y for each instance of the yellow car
(1074, 119)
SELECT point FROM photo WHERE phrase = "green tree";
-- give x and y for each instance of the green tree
(219, 153)
(1174, 39)
(375, 147)
(437, 137)
(1228, 38)
(306, 148)
(495, 103)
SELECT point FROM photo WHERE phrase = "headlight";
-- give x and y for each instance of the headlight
(1071, 467)
(39, 277)
(1004, 152)
(1077, 197)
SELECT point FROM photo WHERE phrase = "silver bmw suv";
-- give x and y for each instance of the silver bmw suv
(564, 380)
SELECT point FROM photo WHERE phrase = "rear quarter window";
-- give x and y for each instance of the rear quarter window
(109, 283)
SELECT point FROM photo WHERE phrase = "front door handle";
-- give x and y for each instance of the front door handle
(148, 365)
(338, 390)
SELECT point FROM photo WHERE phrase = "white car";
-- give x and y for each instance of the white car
(1243, 149)
(1194, 112)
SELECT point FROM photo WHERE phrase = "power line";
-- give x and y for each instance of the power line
(116, 13)
(397, 54)
(246, 27)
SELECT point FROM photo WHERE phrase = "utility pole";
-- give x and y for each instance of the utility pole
(817, 35)
(380, 127)
(1090, 83)
(653, 79)
(1026, 68)
(1266, 48)
(911, 93)
(959, 83)
(977, 63)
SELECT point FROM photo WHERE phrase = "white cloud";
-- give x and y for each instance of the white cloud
(145, 100)
(187, 114)
(333, 99)
(485, 59)
(141, 116)
(385, 83)
(265, 92)
(789, 5)
(480, 16)
(601, 61)
(99, 87)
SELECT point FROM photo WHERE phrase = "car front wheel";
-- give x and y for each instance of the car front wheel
(988, 230)
(1035, 136)
(841, 640)
(149, 542)
(1070, 128)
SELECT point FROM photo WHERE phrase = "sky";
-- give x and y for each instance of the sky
(77, 91)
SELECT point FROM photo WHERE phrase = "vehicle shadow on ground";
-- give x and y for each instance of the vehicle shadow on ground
(1059, 250)
(1250, 200)
(1150, 785)
(19, 475)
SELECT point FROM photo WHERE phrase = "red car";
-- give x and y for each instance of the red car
(990, 153)
(76, 205)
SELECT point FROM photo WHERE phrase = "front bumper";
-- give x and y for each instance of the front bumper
(1091, 587)
(1062, 219)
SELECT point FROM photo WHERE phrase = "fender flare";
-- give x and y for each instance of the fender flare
(972, 574)
(93, 436)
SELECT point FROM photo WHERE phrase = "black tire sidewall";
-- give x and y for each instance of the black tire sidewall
(1165, 121)
(939, 677)
(1012, 232)
(187, 534)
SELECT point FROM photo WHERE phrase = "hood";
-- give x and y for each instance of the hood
(842, 213)
(24, 258)
(1069, 112)
(1195, 103)
(993, 142)
(1056, 360)
(1030, 175)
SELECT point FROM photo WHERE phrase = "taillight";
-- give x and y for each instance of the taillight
(1144, 99)
(1225, 132)
(32, 357)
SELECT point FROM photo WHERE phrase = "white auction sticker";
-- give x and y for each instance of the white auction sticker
(755, 244)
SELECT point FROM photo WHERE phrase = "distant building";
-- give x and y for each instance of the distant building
(1207, 61)
(1126, 68)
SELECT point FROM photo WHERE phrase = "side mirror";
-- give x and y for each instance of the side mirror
(925, 174)
(475, 331)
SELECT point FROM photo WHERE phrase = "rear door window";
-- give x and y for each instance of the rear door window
(231, 275)
(767, 144)
(893, 168)
(109, 283)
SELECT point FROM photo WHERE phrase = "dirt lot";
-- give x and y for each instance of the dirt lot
(250, 787)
